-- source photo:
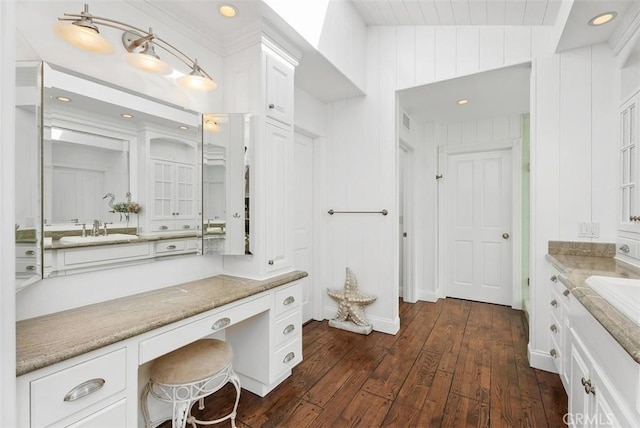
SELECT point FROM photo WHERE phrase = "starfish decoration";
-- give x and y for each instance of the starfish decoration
(351, 301)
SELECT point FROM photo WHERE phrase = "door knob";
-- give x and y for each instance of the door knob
(505, 236)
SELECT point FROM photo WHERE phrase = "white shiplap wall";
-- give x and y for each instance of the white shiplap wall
(573, 97)
(574, 163)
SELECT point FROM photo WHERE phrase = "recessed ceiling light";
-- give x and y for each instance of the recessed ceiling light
(227, 10)
(63, 99)
(127, 115)
(602, 18)
(462, 102)
(184, 128)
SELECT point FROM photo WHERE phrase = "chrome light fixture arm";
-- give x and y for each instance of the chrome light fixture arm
(133, 37)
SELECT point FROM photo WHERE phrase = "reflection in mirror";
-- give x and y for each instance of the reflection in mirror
(121, 176)
(27, 173)
(226, 143)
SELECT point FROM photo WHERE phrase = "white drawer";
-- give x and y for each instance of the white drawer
(556, 354)
(81, 386)
(170, 246)
(288, 357)
(111, 416)
(23, 250)
(104, 253)
(288, 299)
(178, 337)
(25, 265)
(287, 328)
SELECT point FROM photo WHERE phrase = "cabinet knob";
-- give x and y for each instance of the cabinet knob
(171, 247)
(288, 329)
(186, 226)
(553, 328)
(163, 227)
(272, 106)
(290, 356)
(624, 248)
(289, 300)
(566, 292)
(588, 388)
(30, 268)
(29, 253)
(554, 303)
(221, 323)
(270, 262)
(553, 353)
(554, 278)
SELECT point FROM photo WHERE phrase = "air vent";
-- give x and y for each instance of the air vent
(406, 121)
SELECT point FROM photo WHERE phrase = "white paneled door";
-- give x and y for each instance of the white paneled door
(479, 226)
(303, 216)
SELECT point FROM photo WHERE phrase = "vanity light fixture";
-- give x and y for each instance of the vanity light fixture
(462, 102)
(127, 115)
(63, 99)
(227, 10)
(81, 30)
(602, 18)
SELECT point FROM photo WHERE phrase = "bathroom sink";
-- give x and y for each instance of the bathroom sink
(97, 239)
(622, 293)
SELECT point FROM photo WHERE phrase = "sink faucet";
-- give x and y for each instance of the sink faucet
(104, 228)
(95, 230)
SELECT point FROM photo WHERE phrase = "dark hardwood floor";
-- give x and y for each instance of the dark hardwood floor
(453, 363)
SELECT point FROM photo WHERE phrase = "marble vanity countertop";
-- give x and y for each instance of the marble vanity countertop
(57, 245)
(49, 339)
(575, 270)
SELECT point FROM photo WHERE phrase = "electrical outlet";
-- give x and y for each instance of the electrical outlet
(588, 230)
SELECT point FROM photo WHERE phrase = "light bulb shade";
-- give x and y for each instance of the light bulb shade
(83, 36)
(197, 82)
(148, 63)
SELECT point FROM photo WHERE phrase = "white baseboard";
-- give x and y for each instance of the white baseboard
(383, 325)
(427, 296)
(541, 360)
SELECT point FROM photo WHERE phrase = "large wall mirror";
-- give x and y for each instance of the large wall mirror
(108, 178)
(227, 139)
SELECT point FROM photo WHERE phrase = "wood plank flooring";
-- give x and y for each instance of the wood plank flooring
(454, 363)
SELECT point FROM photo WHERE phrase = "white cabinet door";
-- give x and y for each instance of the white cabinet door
(279, 143)
(580, 403)
(174, 196)
(111, 416)
(629, 209)
(279, 90)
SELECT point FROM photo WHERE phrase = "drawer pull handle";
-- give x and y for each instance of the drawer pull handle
(163, 227)
(221, 323)
(588, 389)
(624, 248)
(566, 292)
(554, 328)
(554, 278)
(288, 329)
(554, 303)
(30, 268)
(84, 389)
(289, 300)
(29, 253)
(553, 353)
(171, 247)
(270, 262)
(290, 356)
(186, 226)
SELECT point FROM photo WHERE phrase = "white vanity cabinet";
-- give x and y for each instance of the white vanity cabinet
(26, 259)
(559, 324)
(603, 380)
(89, 391)
(173, 205)
(287, 330)
(270, 69)
(278, 192)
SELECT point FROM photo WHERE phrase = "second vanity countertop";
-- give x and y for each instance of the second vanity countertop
(575, 270)
(49, 339)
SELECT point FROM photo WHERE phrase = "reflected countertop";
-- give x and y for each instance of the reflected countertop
(142, 238)
(49, 339)
(575, 269)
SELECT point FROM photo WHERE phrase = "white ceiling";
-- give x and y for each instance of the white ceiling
(458, 12)
(492, 93)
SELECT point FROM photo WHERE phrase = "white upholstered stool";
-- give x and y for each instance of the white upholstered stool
(187, 375)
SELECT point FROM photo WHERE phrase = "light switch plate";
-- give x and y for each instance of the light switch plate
(588, 229)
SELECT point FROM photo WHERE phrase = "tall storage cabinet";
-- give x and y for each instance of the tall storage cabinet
(269, 69)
